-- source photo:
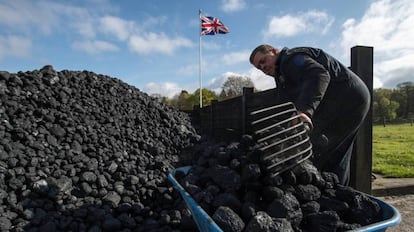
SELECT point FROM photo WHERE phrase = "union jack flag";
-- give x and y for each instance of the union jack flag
(212, 26)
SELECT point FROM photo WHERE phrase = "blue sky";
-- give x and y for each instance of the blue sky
(154, 45)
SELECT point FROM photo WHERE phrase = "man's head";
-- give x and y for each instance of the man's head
(264, 58)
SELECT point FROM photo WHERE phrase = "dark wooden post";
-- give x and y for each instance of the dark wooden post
(213, 113)
(361, 162)
(245, 98)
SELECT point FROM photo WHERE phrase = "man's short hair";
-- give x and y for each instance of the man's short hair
(263, 48)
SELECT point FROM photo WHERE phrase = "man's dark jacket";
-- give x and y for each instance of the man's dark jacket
(334, 97)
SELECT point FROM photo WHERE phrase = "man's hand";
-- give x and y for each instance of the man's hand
(305, 119)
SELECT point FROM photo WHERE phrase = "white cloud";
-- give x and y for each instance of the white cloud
(24, 16)
(390, 72)
(117, 27)
(105, 6)
(167, 89)
(290, 25)
(236, 57)
(261, 81)
(153, 21)
(15, 46)
(71, 19)
(210, 45)
(95, 46)
(85, 29)
(386, 26)
(215, 84)
(159, 43)
(188, 70)
(46, 18)
(233, 5)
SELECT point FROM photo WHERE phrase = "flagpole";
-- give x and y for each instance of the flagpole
(199, 62)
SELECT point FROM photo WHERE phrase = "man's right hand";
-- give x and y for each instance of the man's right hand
(307, 122)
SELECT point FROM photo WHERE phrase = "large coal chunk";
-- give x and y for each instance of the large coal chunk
(271, 193)
(228, 199)
(362, 209)
(228, 220)
(225, 177)
(286, 207)
(307, 192)
(262, 222)
(333, 204)
(310, 207)
(325, 221)
(251, 172)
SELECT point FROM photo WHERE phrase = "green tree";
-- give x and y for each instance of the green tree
(404, 95)
(384, 108)
(207, 96)
(182, 101)
(234, 85)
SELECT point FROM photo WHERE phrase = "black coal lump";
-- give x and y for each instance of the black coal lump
(250, 173)
(270, 193)
(364, 210)
(228, 199)
(228, 220)
(325, 221)
(226, 178)
(333, 204)
(262, 222)
(284, 225)
(331, 179)
(286, 207)
(307, 192)
(248, 210)
(310, 207)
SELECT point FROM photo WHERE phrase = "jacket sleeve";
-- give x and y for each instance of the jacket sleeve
(310, 79)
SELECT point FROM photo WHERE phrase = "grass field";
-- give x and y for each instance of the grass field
(393, 150)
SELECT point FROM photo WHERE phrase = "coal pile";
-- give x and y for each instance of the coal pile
(228, 182)
(81, 151)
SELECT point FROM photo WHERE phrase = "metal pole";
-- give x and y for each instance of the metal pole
(200, 63)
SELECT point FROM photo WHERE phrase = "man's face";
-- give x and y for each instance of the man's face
(266, 62)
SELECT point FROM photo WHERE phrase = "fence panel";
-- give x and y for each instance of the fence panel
(228, 118)
(205, 118)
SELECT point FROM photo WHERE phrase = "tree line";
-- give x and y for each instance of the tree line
(389, 105)
(231, 88)
(394, 104)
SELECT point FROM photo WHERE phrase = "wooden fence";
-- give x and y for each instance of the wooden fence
(229, 119)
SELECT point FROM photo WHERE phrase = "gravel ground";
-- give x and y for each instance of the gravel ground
(405, 205)
(398, 192)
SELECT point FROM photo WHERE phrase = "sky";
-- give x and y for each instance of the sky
(155, 45)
